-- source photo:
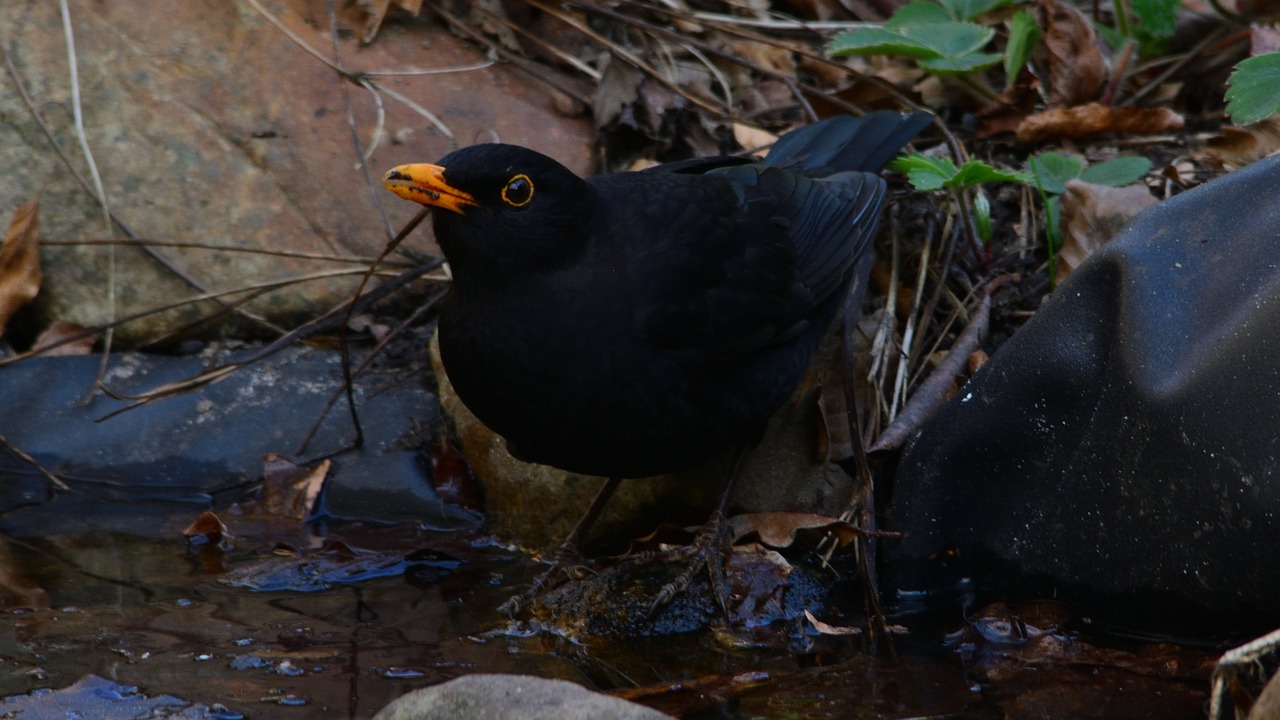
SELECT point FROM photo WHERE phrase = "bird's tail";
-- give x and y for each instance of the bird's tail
(845, 142)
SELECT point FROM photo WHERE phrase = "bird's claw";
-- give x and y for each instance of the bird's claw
(567, 565)
(706, 550)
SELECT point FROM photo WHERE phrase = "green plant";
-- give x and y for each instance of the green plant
(1049, 173)
(1252, 93)
(943, 39)
(940, 173)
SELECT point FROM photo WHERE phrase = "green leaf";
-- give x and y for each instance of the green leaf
(1157, 17)
(1052, 230)
(925, 173)
(964, 64)
(974, 172)
(970, 9)
(982, 216)
(950, 39)
(1023, 36)
(1118, 172)
(1252, 94)
(1052, 170)
(933, 173)
(917, 13)
(877, 41)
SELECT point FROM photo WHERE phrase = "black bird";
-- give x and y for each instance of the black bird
(634, 324)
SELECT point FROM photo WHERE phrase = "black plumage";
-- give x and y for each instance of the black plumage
(638, 323)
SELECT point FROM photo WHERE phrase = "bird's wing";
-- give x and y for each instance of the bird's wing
(761, 250)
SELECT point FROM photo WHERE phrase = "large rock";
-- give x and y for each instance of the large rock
(175, 457)
(209, 125)
(512, 697)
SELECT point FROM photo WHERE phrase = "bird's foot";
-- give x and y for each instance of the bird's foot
(706, 551)
(567, 565)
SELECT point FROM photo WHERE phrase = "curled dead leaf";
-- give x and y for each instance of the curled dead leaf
(1084, 121)
(1075, 68)
(63, 339)
(753, 138)
(207, 528)
(289, 490)
(1239, 146)
(20, 274)
(779, 529)
(1092, 215)
(827, 629)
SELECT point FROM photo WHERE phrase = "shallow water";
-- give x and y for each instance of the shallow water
(157, 613)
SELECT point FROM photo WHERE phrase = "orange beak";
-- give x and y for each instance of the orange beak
(424, 184)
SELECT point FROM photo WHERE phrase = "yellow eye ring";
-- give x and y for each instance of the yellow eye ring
(518, 192)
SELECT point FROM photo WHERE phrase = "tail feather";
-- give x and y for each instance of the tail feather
(844, 143)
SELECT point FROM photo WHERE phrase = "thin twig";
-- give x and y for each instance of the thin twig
(54, 480)
(334, 317)
(139, 242)
(100, 193)
(629, 57)
(1169, 72)
(120, 223)
(814, 26)
(273, 284)
(423, 308)
(538, 72)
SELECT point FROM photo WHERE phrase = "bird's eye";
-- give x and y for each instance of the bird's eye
(518, 192)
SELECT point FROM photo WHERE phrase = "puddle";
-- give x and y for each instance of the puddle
(159, 619)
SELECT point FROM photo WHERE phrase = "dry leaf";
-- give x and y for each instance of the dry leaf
(1091, 216)
(778, 529)
(826, 629)
(1239, 146)
(57, 336)
(753, 138)
(288, 490)
(1010, 108)
(20, 274)
(377, 11)
(770, 57)
(207, 528)
(975, 361)
(1069, 51)
(1084, 121)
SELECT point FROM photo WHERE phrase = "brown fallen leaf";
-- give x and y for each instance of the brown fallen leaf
(207, 528)
(58, 339)
(1084, 121)
(827, 629)
(1069, 51)
(1010, 108)
(377, 12)
(753, 138)
(20, 274)
(1091, 216)
(289, 490)
(1239, 146)
(779, 529)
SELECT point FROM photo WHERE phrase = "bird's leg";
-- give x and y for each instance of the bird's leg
(706, 550)
(567, 556)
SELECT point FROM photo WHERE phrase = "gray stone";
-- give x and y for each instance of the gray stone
(518, 697)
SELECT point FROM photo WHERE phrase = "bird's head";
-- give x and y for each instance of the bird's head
(499, 207)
